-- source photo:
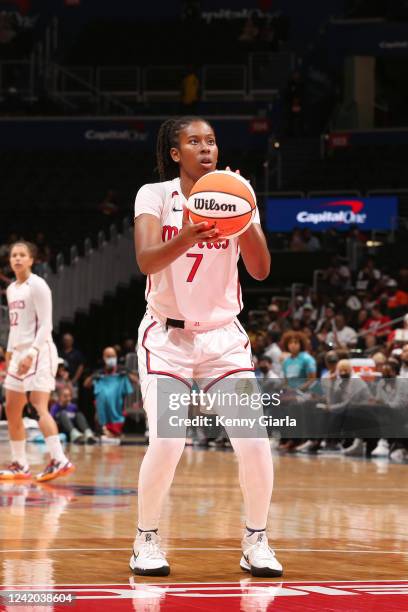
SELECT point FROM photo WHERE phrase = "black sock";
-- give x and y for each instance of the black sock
(252, 531)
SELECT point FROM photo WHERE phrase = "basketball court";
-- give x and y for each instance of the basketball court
(338, 526)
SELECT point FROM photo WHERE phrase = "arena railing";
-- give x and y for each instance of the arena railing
(88, 278)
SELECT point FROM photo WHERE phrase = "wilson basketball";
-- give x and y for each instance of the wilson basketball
(224, 198)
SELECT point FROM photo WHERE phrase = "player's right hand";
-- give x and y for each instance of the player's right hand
(192, 233)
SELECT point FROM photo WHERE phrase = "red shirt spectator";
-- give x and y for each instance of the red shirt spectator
(376, 321)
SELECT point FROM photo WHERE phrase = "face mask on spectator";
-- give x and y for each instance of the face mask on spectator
(111, 362)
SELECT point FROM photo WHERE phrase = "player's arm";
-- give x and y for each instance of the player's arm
(152, 254)
(8, 359)
(255, 252)
(41, 295)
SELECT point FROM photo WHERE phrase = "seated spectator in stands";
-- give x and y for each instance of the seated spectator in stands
(337, 275)
(250, 30)
(348, 392)
(274, 352)
(331, 360)
(264, 371)
(294, 102)
(398, 337)
(368, 277)
(341, 335)
(109, 206)
(396, 299)
(273, 315)
(74, 359)
(325, 316)
(190, 88)
(299, 367)
(380, 359)
(370, 343)
(403, 373)
(312, 242)
(110, 385)
(297, 243)
(62, 379)
(377, 324)
(259, 343)
(307, 315)
(70, 421)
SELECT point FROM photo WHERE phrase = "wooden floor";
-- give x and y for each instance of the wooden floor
(332, 519)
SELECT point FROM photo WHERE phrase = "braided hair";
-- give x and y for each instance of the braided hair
(167, 138)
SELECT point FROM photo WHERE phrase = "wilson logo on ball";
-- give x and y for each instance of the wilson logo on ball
(202, 204)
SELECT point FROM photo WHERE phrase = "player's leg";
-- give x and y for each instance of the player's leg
(18, 469)
(59, 464)
(253, 454)
(256, 481)
(163, 454)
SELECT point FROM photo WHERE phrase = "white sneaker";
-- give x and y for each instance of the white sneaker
(15, 471)
(258, 558)
(305, 447)
(148, 559)
(356, 449)
(399, 455)
(382, 449)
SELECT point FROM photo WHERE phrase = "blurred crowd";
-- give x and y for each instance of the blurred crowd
(91, 405)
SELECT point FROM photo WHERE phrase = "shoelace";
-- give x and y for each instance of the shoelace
(151, 550)
(263, 549)
(15, 467)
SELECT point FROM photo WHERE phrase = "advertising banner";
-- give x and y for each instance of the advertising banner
(319, 214)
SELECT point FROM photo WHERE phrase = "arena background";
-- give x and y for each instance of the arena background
(311, 105)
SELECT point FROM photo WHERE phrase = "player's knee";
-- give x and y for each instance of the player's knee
(254, 448)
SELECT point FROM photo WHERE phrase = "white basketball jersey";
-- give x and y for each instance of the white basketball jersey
(30, 312)
(202, 285)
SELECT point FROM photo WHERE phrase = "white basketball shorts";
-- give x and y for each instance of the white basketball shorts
(40, 377)
(186, 355)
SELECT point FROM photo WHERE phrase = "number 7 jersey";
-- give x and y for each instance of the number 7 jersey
(201, 285)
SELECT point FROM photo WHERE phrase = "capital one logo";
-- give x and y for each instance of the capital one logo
(349, 215)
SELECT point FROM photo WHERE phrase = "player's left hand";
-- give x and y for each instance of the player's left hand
(24, 365)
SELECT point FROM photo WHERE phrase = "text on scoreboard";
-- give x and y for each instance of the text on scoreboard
(318, 214)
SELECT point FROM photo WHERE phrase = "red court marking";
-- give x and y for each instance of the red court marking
(243, 596)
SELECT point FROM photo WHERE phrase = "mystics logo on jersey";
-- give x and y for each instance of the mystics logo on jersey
(341, 213)
(349, 214)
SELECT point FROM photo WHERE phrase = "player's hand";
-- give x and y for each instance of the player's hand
(229, 170)
(192, 233)
(24, 365)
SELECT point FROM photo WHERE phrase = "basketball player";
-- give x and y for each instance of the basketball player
(31, 362)
(190, 330)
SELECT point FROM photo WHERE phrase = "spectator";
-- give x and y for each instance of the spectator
(331, 360)
(74, 359)
(341, 336)
(403, 373)
(109, 206)
(62, 379)
(399, 336)
(295, 104)
(395, 298)
(264, 371)
(299, 366)
(70, 421)
(368, 277)
(312, 242)
(377, 324)
(347, 393)
(250, 31)
(274, 352)
(190, 88)
(110, 385)
(297, 243)
(273, 315)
